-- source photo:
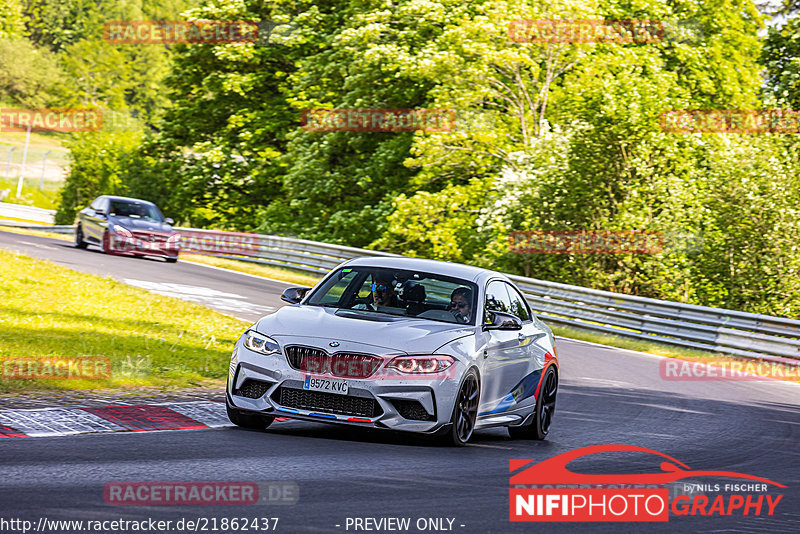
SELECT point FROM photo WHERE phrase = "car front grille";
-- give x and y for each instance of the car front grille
(327, 402)
(341, 364)
(253, 389)
(412, 410)
(150, 237)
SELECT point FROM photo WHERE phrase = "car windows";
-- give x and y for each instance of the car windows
(518, 305)
(497, 299)
(95, 205)
(135, 210)
(406, 293)
(335, 287)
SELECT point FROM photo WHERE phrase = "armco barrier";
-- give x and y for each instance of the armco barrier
(26, 213)
(690, 326)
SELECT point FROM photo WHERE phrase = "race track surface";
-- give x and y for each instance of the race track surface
(606, 395)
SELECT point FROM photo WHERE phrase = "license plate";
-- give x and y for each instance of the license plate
(325, 384)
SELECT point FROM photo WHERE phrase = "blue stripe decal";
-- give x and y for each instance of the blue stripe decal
(524, 389)
(323, 415)
(288, 410)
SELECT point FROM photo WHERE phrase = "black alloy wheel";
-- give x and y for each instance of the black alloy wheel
(465, 411)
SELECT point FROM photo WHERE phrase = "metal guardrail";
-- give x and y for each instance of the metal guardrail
(737, 333)
(26, 213)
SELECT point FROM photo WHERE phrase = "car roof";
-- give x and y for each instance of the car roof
(112, 197)
(456, 270)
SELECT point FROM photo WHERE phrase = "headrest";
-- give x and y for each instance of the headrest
(413, 291)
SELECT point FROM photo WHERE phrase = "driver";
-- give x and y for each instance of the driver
(382, 295)
(461, 304)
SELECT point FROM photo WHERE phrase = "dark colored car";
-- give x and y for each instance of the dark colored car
(120, 225)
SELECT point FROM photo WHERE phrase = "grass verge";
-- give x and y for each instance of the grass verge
(285, 275)
(26, 231)
(52, 312)
(31, 194)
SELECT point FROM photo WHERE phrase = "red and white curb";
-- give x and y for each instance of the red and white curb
(136, 418)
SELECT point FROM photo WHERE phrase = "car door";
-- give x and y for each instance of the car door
(507, 357)
(533, 336)
(92, 220)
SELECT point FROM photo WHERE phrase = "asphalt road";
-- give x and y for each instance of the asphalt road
(244, 296)
(606, 396)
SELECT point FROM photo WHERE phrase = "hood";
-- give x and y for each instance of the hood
(319, 326)
(139, 225)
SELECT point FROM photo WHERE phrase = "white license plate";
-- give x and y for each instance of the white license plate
(325, 384)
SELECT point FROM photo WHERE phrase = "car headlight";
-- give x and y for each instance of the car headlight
(117, 229)
(421, 364)
(261, 343)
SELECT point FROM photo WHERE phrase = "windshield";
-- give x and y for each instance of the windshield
(398, 292)
(135, 210)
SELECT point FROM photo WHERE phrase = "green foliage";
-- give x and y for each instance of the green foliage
(547, 136)
(12, 24)
(29, 76)
(781, 58)
(99, 160)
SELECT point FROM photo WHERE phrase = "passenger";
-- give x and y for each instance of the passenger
(461, 304)
(381, 294)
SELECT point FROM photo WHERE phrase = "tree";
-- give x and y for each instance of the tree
(29, 76)
(12, 23)
(99, 160)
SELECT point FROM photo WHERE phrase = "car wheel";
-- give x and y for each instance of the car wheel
(172, 260)
(465, 411)
(247, 420)
(79, 242)
(539, 427)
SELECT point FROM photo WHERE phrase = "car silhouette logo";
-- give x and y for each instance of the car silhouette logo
(554, 470)
(334, 343)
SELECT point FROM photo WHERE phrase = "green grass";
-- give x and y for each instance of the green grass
(40, 144)
(50, 311)
(286, 275)
(31, 195)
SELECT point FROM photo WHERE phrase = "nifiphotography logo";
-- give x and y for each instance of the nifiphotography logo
(548, 491)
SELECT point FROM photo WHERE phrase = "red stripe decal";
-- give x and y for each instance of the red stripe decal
(6, 432)
(144, 417)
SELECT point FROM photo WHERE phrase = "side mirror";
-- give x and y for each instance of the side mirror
(293, 295)
(169, 221)
(503, 321)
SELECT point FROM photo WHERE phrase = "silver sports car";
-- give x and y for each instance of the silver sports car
(400, 343)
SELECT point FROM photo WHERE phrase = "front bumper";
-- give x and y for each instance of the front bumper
(149, 244)
(387, 399)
